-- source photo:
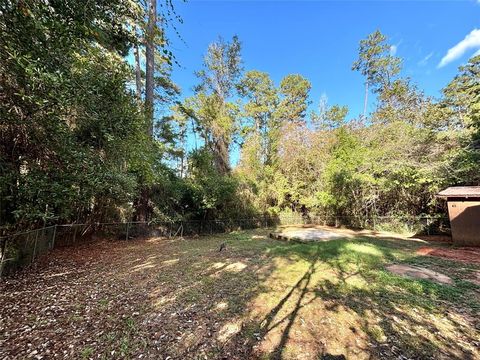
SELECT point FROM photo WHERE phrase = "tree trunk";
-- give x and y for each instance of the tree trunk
(221, 155)
(365, 101)
(142, 206)
(150, 62)
(138, 72)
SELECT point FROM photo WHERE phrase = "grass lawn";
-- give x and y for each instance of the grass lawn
(259, 299)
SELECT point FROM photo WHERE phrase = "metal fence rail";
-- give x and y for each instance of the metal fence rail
(21, 249)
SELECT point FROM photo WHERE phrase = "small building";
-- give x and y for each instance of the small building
(464, 212)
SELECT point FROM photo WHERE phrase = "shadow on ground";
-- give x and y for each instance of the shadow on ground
(260, 298)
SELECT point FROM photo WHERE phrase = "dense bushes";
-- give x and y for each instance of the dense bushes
(75, 141)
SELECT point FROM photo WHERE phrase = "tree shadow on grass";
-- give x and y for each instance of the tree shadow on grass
(192, 301)
(400, 317)
(402, 324)
(268, 323)
(197, 301)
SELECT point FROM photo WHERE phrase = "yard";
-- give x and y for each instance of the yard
(260, 298)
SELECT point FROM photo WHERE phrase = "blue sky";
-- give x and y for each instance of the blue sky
(319, 39)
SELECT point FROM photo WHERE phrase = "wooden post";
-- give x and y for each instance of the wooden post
(34, 246)
(128, 228)
(53, 237)
(74, 233)
(3, 251)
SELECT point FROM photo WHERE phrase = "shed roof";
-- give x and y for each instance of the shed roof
(460, 191)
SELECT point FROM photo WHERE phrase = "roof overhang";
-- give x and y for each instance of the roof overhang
(460, 193)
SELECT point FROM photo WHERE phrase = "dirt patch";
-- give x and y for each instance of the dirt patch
(419, 273)
(475, 277)
(465, 254)
(436, 238)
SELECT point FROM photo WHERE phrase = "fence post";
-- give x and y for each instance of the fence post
(74, 234)
(128, 228)
(34, 246)
(373, 222)
(3, 251)
(52, 245)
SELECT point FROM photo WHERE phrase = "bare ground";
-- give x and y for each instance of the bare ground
(465, 254)
(259, 299)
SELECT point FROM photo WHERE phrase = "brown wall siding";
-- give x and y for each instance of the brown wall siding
(465, 222)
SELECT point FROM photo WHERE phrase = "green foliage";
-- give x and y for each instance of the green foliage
(375, 61)
(330, 118)
(69, 126)
(392, 164)
(294, 101)
(462, 104)
(76, 142)
(211, 194)
(212, 108)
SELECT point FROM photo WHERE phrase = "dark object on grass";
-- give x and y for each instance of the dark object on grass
(223, 246)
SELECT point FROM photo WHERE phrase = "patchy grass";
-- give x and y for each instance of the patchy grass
(260, 298)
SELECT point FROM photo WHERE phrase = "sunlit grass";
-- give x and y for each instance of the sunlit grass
(350, 274)
(270, 299)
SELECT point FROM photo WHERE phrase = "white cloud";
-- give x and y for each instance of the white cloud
(394, 48)
(424, 61)
(471, 41)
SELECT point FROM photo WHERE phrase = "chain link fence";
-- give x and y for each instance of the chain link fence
(21, 249)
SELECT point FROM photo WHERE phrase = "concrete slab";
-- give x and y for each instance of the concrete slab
(312, 234)
(418, 272)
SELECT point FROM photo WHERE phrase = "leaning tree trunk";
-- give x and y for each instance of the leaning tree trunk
(221, 154)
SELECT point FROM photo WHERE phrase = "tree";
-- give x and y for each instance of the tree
(462, 102)
(462, 95)
(376, 63)
(211, 107)
(69, 126)
(150, 37)
(158, 92)
(262, 99)
(294, 90)
(329, 118)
